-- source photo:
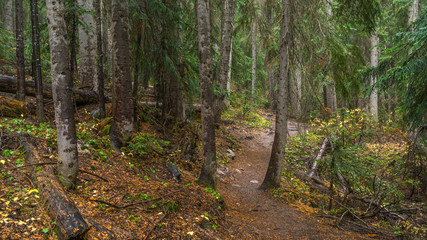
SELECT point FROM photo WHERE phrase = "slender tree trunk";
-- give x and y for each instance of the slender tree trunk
(413, 11)
(207, 176)
(136, 71)
(73, 57)
(227, 101)
(254, 55)
(329, 89)
(8, 23)
(99, 60)
(274, 170)
(61, 87)
(37, 70)
(122, 123)
(225, 59)
(87, 46)
(272, 85)
(373, 98)
(295, 91)
(20, 58)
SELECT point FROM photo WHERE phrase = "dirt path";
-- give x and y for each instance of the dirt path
(261, 214)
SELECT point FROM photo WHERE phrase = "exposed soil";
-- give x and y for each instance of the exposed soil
(266, 217)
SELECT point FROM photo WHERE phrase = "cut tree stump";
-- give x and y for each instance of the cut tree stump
(9, 84)
(60, 208)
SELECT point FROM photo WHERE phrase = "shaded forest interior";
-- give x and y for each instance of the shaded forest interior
(145, 119)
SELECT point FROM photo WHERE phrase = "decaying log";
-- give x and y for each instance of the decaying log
(9, 84)
(197, 107)
(60, 208)
(14, 108)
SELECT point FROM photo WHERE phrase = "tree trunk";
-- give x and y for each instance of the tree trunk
(99, 60)
(329, 88)
(62, 94)
(254, 55)
(295, 91)
(274, 170)
(20, 58)
(81, 97)
(73, 57)
(8, 16)
(60, 208)
(37, 73)
(87, 46)
(207, 176)
(373, 98)
(225, 59)
(272, 86)
(413, 11)
(227, 100)
(122, 123)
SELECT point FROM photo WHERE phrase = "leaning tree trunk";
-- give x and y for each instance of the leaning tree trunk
(87, 46)
(37, 74)
(373, 98)
(254, 55)
(224, 66)
(122, 123)
(99, 60)
(207, 176)
(20, 58)
(62, 94)
(274, 170)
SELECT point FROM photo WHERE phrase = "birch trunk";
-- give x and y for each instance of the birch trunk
(62, 94)
(87, 43)
(274, 170)
(207, 175)
(20, 58)
(254, 55)
(373, 98)
(122, 123)
(225, 59)
(37, 74)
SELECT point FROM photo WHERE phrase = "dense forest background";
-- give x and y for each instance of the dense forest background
(102, 75)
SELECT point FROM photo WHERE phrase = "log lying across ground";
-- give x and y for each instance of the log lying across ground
(60, 208)
(9, 84)
(14, 108)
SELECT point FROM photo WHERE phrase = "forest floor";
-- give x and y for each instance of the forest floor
(133, 196)
(266, 217)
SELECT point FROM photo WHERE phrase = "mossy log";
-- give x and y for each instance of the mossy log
(60, 208)
(14, 108)
(9, 84)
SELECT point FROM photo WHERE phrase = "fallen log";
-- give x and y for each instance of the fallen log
(318, 157)
(60, 208)
(14, 108)
(9, 84)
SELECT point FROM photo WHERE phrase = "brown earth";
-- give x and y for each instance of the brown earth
(264, 216)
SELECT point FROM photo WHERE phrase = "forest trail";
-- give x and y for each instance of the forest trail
(266, 217)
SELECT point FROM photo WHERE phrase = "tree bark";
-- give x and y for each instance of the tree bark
(37, 74)
(254, 55)
(122, 123)
(20, 57)
(73, 57)
(59, 207)
(225, 58)
(274, 170)
(295, 91)
(99, 60)
(8, 16)
(373, 98)
(81, 97)
(87, 46)
(207, 176)
(62, 94)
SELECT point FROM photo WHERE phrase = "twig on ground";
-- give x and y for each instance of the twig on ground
(93, 174)
(155, 225)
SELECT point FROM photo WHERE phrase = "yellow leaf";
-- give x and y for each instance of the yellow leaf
(2, 161)
(190, 233)
(33, 190)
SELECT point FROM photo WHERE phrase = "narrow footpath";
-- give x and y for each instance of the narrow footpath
(262, 215)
